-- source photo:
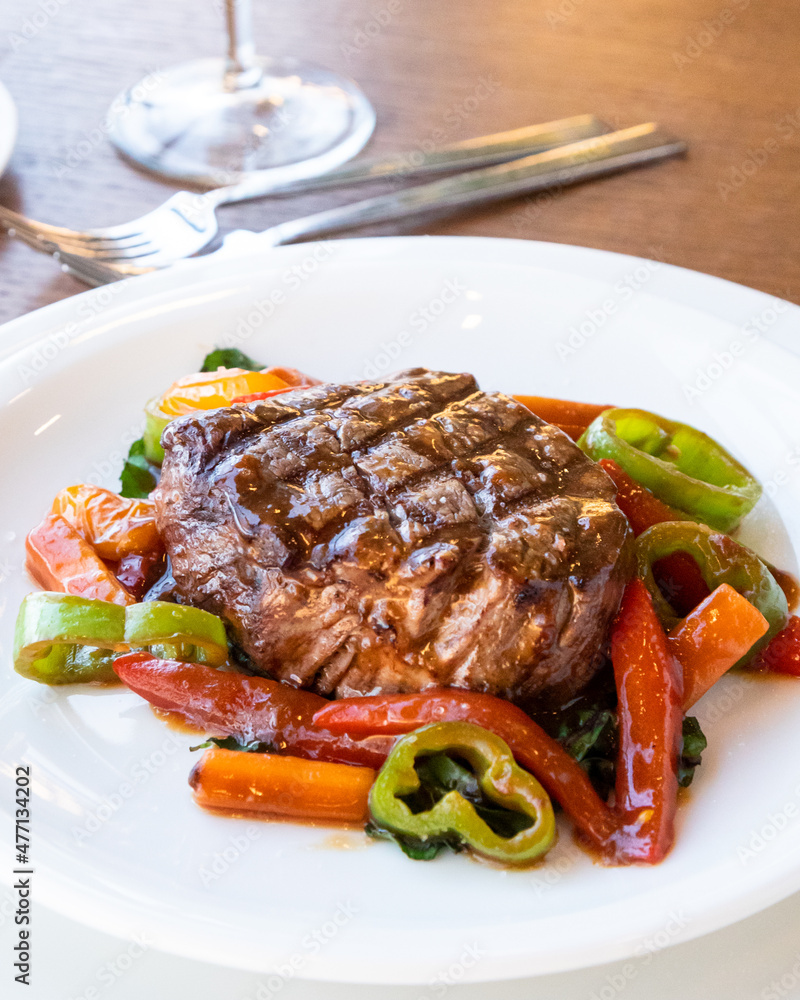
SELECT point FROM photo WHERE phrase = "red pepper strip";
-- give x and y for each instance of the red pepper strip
(253, 396)
(59, 559)
(782, 655)
(561, 775)
(249, 708)
(650, 691)
(293, 377)
(678, 574)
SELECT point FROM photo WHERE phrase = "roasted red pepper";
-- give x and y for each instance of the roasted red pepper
(650, 692)
(560, 774)
(678, 574)
(249, 708)
(782, 655)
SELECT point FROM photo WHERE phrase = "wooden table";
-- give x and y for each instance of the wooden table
(723, 74)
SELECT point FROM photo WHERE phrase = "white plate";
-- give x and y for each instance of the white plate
(117, 842)
(8, 127)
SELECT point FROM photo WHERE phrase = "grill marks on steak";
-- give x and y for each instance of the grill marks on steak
(392, 536)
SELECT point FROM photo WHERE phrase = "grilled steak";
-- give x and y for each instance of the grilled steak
(393, 536)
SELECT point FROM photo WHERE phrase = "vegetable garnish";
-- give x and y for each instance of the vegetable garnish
(561, 775)
(249, 708)
(650, 691)
(782, 655)
(279, 785)
(63, 639)
(677, 575)
(720, 560)
(570, 417)
(230, 357)
(713, 637)
(114, 526)
(138, 478)
(59, 559)
(470, 771)
(490, 806)
(50, 638)
(202, 391)
(681, 465)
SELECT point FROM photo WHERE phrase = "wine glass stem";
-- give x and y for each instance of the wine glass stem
(241, 69)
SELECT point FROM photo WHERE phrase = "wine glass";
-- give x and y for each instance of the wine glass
(213, 122)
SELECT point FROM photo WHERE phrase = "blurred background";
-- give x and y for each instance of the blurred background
(721, 74)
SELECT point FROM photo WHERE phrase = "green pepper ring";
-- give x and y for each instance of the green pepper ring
(68, 639)
(720, 560)
(501, 780)
(681, 465)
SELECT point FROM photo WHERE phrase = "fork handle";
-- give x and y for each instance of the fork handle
(553, 168)
(478, 152)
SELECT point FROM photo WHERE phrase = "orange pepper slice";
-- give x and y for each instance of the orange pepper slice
(210, 390)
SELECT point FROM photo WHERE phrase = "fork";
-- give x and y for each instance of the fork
(186, 222)
(554, 168)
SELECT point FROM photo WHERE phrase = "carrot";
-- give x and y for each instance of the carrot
(282, 786)
(562, 411)
(782, 655)
(571, 430)
(114, 526)
(59, 559)
(709, 640)
(678, 574)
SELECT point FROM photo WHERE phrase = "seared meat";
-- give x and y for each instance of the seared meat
(393, 536)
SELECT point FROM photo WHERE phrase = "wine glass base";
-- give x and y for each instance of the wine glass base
(190, 123)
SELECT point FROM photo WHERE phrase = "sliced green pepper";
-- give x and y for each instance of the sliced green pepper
(50, 642)
(679, 464)
(154, 423)
(197, 633)
(397, 806)
(64, 639)
(720, 560)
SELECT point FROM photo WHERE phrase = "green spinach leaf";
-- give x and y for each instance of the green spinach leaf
(137, 478)
(230, 357)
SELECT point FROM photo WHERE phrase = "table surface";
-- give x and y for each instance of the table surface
(723, 74)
